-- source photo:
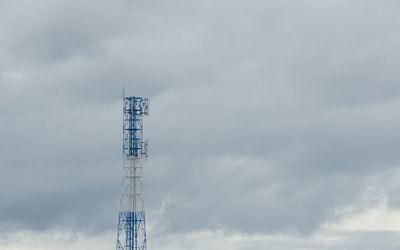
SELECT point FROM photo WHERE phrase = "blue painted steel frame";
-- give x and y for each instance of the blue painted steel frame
(134, 145)
(133, 223)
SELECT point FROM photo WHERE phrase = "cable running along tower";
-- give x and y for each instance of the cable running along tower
(131, 233)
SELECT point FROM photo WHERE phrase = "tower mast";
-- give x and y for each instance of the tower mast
(131, 234)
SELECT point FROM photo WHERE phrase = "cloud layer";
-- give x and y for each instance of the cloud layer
(267, 117)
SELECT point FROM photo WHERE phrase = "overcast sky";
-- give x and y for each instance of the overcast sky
(273, 123)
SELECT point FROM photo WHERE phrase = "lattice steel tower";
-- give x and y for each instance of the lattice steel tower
(131, 233)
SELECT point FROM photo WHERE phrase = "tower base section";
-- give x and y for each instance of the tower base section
(131, 231)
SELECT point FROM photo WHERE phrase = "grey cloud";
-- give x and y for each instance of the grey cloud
(266, 116)
(348, 240)
(68, 209)
(48, 31)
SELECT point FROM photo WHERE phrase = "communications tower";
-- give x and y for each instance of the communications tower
(131, 233)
